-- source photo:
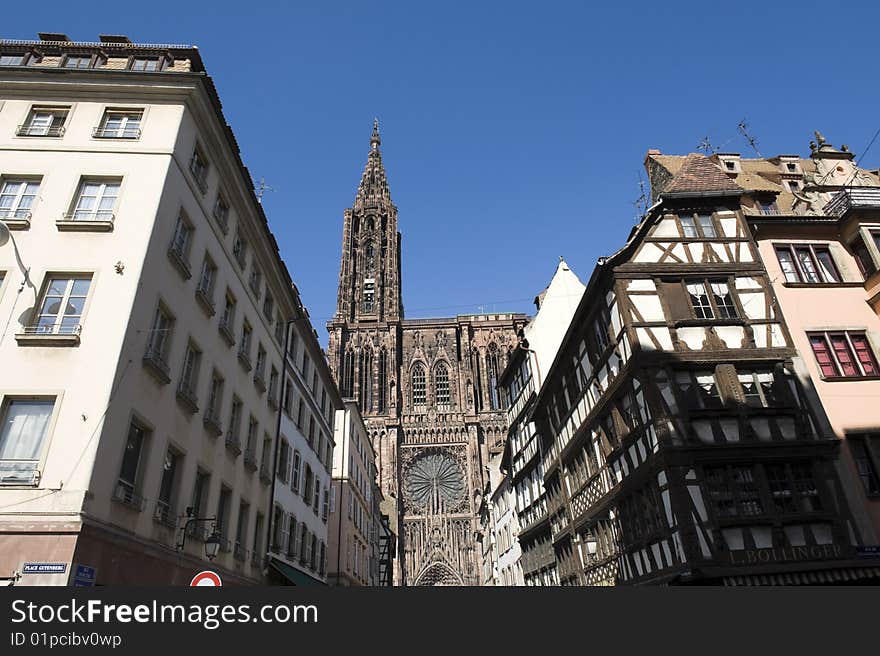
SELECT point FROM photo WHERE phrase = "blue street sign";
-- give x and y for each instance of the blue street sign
(83, 576)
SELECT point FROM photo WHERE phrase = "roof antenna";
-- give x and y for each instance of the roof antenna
(706, 146)
(744, 131)
(641, 203)
(262, 188)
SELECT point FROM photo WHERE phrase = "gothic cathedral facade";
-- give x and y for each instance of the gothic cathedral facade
(426, 388)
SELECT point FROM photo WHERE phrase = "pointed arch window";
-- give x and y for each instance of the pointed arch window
(382, 375)
(492, 377)
(478, 380)
(365, 392)
(348, 375)
(441, 385)
(419, 394)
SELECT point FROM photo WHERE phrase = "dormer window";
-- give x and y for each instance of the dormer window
(730, 163)
(791, 167)
(146, 64)
(794, 186)
(13, 59)
(730, 166)
(77, 61)
(766, 206)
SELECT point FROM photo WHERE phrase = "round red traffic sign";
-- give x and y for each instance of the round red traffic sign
(205, 578)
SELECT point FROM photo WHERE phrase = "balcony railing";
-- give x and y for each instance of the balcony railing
(125, 494)
(30, 130)
(853, 198)
(211, 421)
(19, 472)
(154, 359)
(187, 396)
(105, 132)
(62, 334)
(250, 458)
(203, 296)
(164, 514)
(233, 444)
(15, 218)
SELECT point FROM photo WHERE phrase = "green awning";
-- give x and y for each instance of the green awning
(292, 574)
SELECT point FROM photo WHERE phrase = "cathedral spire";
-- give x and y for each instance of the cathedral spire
(373, 189)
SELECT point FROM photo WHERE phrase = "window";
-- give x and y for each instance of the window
(308, 483)
(17, 198)
(284, 461)
(844, 354)
(241, 529)
(791, 167)
(12, 59)
(159, 339)
(145, 64)
(215, 397)
(863, 257)
(258, 539)
(180, 242)
(61, 310)
(253, 429)
(244, 347)
(165, 511)
(198, 166)
(325, 512)
(129, 472)
(189, 376)
(44, 122)
(758, 388)
(277, 529)
(365, 382)
(711, 299)
(294, 479)
(273, 389)
(811, 263)
(865, 451)
(206, 280)
(234, 429)
(120, 124)
(200, 493)
(96, 200)
(240, 249)
(260, 368)
(793, 488)
(268, 306)
(492, 370)
(77, 61)
(418, 385)
(369, 294)
(256, 280)
(698, 226)
(291, 537)
(441, 384)
(24, 428)
(733, 491)
(227, 319)
(316, 495)
(221, 213)
(223, 503)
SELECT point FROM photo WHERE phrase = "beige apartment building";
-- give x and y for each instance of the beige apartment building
(143, 303)
(354, 506)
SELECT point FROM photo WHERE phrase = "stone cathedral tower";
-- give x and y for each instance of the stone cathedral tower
(426, 388)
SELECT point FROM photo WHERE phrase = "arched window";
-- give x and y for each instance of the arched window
(365, 391)
(492, 377)
(418, 385)
(441, 384)
(478, 380)
(348, 375)
(383, 380)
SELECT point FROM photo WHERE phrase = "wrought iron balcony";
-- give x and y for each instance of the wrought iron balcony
(179, 260)
(80, 221)
(187, 396)
(853, 198)
(56, 334)
(31, 130)
(15, 219)
(154, 360)
(233, 444)
(203, 296)
(211, 421)
(19, 472)
(125, 494)
(105, 132)
(164, 514)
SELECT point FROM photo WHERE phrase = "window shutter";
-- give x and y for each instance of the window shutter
(677, 302)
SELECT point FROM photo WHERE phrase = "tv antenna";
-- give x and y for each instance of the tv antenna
(262, 188)
(705, 146)
(743, 128)
(641, 203)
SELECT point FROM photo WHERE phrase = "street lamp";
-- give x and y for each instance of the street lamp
(212, 542)
(4, 233)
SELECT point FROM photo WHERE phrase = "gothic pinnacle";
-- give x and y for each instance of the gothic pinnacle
(375, 141)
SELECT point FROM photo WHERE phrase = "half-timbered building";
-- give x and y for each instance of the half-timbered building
(675, 441)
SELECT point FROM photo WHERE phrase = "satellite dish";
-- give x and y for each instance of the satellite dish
(4, 233)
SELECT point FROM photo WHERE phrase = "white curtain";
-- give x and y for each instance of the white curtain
(23, 429)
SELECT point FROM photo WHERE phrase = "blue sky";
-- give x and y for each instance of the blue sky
(512, 132)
